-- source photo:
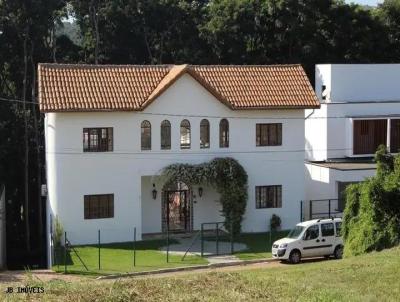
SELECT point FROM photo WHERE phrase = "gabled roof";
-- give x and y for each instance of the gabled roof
(132, 87)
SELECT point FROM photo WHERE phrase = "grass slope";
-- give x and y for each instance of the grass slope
(372, 277)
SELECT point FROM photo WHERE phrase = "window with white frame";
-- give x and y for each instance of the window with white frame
(268, 197)
(269, 134)
(97, 139)
(185, 134)
(204, 134)
(165, 135)
(368, 134)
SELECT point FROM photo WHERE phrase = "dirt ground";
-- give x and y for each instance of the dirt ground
(47, 275)
(43, 275)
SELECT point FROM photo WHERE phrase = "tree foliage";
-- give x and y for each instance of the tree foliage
(372, 213)
(226, 175)
(166, 32)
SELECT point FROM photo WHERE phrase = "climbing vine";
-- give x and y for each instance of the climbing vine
(226, 175)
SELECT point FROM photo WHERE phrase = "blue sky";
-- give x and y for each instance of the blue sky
(368, 2)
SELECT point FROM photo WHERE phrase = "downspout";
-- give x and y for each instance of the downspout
(310, 114)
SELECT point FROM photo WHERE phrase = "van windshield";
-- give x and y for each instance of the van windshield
(295, 233)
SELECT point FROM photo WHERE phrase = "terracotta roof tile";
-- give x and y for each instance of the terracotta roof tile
(133, 87)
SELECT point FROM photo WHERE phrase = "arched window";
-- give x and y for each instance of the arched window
(165, 135)
(224, 133)
(185, 134)
(146, 135)
(204, 134)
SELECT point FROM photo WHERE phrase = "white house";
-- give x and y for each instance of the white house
(110, 130)
(360, 109)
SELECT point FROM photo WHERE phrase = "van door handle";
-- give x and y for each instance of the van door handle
(317, 240)
(323, 240)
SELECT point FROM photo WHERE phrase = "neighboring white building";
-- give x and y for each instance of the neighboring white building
(360, 109)
(2, 227)
(103, 165)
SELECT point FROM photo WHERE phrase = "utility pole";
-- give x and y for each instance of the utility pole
(26, 146)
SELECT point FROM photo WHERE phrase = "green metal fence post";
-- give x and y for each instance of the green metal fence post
(65, 252)
(202, 242)
(99, 249)
(167, 244)
(231, 230)
(134, 247)
(270, 235)
(301, 211)
(217, 242)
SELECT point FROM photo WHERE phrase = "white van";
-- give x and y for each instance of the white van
(313, 238)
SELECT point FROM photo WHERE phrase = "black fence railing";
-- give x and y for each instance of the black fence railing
(321, 208)
(169, 249)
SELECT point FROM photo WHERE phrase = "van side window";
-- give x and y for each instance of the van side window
(312, 232)
(327, 229)
(338, 229)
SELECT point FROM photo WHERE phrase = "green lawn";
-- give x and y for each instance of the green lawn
(118, 257)
(372, 277)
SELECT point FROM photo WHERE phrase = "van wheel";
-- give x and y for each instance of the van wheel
(338, 253)
(295, 257)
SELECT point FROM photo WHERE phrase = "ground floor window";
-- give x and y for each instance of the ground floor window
(268, 197)
(99, 206)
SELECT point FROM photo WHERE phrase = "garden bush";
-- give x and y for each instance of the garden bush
(371, 220)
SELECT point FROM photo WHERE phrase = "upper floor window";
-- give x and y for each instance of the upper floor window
(97, 139)
(165, 135)
(204, 134)
(268, 197)
(368, 135)
(146, 135)
(98, 206)
(269, 134)
(185, 134)
(224, 133)
(395, 135)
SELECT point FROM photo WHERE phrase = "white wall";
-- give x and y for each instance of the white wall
(359, 82)
(2, 228)
(72, 173)
(329, 129)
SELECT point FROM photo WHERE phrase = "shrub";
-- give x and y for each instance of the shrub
(275, 222)
(58, 232)
(371, 220)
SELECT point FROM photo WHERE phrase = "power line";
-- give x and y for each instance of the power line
(198, 115)
(18, 101)
(186, 153)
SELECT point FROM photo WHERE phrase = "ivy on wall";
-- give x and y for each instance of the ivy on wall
(226, 175)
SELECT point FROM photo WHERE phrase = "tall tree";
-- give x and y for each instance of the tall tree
(389, 14)
(25, 35)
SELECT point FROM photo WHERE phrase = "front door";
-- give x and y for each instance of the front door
(312, 244)
(328, 238)
(177, 210)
